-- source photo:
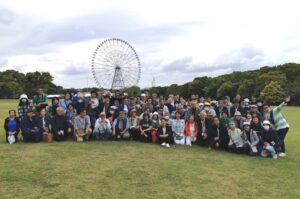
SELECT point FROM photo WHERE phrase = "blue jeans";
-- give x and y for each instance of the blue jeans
(102, 136)
(271, 150)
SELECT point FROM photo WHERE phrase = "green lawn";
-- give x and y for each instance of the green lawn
(136, 170)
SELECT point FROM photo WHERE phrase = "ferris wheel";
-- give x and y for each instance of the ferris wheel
(116, 65)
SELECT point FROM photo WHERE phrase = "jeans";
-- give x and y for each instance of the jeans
(271, 150)
(102, 136)
(281, 135)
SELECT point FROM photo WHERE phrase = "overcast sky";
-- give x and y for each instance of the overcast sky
(176, 42)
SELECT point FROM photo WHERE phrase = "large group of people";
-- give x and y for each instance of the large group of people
(239, 125)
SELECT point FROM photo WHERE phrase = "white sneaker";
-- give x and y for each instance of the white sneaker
(163, 144)
(275, 156)
(167, 145)
(281, 154)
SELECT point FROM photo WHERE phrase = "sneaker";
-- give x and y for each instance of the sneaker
(163, 144)
(281, 154)
(167, 145)
(275, 156)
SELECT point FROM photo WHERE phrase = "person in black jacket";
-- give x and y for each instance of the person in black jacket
(270, 140)
(256, 125)
(12, 125)
(218, 135)
(60, 126)
(236, 107)
(164, 133)
(203, 125)
(30, 127)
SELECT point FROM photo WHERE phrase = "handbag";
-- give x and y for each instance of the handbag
(47, 137)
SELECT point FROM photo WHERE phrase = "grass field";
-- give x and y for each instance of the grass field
(136, 170)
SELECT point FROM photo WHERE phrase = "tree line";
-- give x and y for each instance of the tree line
(268, 83)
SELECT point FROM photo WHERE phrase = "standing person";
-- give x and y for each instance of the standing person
(60, 126)
(191, 131)
(281, 125)
(23, 106)
(40, 100)
(145, 128)
(164, 134)
(178, 126)
(82, 126)
(30, 127)
(102, 130)
(65, 101)
(12, 127)
(218, 135)
(270, 140)
(120, 127)
(134, 122)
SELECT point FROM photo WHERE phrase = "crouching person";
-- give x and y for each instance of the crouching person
(252, 139)
(102, 130)
(82, 126)
(237, 142)
(164, 133)
(60, 127)
(270, 140)
(30, 127)
(218, 135)
(120, 127)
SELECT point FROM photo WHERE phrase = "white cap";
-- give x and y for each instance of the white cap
(246, 123)
(266, 122)
(23, 96)
(237, 113)
(246, 100)
(143, 95)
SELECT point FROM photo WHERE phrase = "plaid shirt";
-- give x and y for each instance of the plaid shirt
(279, 120)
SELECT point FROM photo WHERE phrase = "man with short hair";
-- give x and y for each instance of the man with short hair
(164, 133)
(82, 126)
(218, 135)
(121, 127)
(60, 127)
(39, 101)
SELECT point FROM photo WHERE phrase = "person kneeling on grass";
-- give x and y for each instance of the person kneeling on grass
(60, 127)
(252, 139)
(30, 127)
(164, 133)
(102, 130)
(120, 127)
(270, 140)
(237, 142)
(82, 126)
(12, 127)
(191, 131)
(145, 128)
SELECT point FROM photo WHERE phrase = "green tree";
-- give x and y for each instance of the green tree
(224, 89)
(272, 93)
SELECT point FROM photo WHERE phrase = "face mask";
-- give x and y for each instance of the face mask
(111, 112)
(266, 128)
(23, 100)
(206, 109)
(80, 100)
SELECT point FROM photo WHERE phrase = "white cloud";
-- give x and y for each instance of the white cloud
(206, 37)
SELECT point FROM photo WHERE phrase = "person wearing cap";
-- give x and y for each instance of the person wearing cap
(280, 123)
(39, 101)
(218, 137)
(134, 122)
(164, 133)
(238, 120)
(60, 127)
(270, 141)
(191, 131)
(209, 110)
(254, 111)
(252, 139)
(156, 122)
(237, 142)
(12, 126)
(102, 130)
(145, 128)
(30, 127)
(23, 106)
(113, 114)
(245, 105)
(82, 126)
(178, 126)
(203, 125)
(120, 127)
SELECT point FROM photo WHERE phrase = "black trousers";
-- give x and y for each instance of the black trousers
(32, 136)
(143, 138)
(281, 135)
(135, 134)
(63, 137)
(162, 140)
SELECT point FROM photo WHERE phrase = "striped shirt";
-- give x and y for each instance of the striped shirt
(279, 120)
